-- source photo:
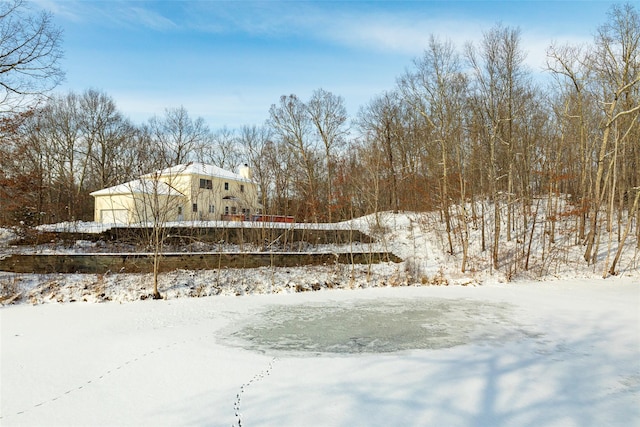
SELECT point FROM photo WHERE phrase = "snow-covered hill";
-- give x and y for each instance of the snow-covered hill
(418, 238)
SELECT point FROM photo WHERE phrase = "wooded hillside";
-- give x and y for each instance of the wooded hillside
(465, 128)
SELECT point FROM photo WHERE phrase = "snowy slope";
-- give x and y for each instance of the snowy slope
(418, 238)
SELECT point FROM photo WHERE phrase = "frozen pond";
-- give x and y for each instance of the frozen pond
(519, 355)
(376, 326)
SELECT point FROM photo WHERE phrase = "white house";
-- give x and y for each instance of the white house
(192, 191)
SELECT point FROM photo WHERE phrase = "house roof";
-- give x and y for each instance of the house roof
(139, 186)
(196, 168)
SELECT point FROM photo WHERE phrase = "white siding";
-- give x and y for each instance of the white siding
(114, 216)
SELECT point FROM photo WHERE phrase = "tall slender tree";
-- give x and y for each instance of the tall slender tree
(615, 62)
(290, 122)
(328, 115)
(436, 88)
(499, 77)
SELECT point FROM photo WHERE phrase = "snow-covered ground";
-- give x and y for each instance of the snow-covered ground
(563, 353)
(419, 239)
(379, 345)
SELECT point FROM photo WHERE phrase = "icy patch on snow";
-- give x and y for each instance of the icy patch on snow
(377, 327)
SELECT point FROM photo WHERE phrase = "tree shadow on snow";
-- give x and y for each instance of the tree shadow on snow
(589, 379)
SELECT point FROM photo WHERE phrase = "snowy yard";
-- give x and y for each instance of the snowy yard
(564, 353)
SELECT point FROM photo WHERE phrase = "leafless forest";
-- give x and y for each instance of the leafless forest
(468, 131)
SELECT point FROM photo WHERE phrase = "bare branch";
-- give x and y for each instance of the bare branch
(30, 52)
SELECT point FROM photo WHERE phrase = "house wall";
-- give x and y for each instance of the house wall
(113, 203)
(145, 208)
(212, 203)
(138, 208)
(236, 198)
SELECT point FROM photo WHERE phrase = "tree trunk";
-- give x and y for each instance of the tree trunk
(616, 258)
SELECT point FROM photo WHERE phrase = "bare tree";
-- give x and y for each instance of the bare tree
(615, 61)
(108, 136)
(290, 121)
(499, 78)
(437, 89)
(367, 166)
(222, 149)
(280, 161)
(69, 151)
(156, 202)
(75, 144)
(30, 53)
(328, 115)
(33, 154)
(179, 136)
(255, 141)
(568, 65)
(20, 176)
(380, 123)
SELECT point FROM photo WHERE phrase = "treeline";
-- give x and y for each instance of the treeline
(464, 124)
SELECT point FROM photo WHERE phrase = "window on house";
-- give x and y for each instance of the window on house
(234, 210)
(179, 210)
(226, 210)
(212, 209)
(226, 186)
(242, 188)
(206, 184)
(194, 208)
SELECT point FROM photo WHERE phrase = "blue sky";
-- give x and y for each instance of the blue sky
(228, 61)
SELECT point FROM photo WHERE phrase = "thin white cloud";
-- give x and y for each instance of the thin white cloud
(114, 12)
(400, 34)
(403, 32)
(148, 18)
(409, 35)
(392, 31)
(395, 31)
(270, 18)
(70, 10)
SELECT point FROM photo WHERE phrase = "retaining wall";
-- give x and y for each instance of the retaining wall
(143, 262)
